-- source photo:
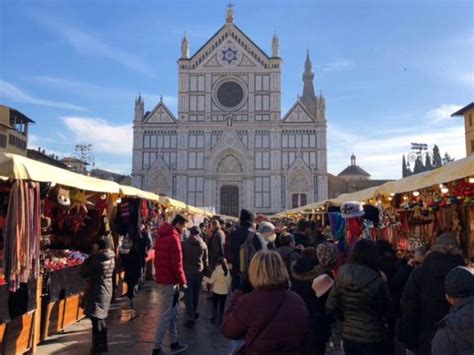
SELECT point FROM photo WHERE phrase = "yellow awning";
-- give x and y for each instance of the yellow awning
(361, 195)
(22, 168)
(131, 191)
(456, 170)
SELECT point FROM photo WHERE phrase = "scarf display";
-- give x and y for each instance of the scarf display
(22, 233)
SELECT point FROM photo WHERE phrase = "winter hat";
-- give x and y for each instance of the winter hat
(459, 282)
(352, 209)
(327, 253)
(247, 216)
(267, 230)
(446, 244)
(195, 230)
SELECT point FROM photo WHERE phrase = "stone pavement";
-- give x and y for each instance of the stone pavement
(133, 332)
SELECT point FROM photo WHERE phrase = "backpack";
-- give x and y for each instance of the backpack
(247, 250)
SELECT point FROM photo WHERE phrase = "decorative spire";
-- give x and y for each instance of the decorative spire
(275, 46)
(161, 99)
(308, 66)
(139, 108)
(230, 13)
(353, 160)
(309, 98)
(185, 47)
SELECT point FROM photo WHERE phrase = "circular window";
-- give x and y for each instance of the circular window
(230, 94)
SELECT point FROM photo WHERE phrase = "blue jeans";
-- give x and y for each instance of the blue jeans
(167, 313)
(192, 295)
(352, 348)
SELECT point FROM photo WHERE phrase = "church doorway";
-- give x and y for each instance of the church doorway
(230, 200)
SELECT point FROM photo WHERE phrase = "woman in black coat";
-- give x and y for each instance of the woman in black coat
(362, 298)
(98, 269)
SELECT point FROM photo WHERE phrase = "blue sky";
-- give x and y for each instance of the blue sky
(392, 71)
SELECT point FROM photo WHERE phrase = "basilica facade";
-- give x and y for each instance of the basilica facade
(229, 146)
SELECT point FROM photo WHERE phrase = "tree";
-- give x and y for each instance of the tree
(447, 158)
(437, 161)
(405, 170)
(428, 165)
(419, 167)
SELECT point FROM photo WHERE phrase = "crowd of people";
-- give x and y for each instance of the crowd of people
(290, 290)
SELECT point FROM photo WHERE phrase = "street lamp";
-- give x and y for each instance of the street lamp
(83, 152)
(418, 153)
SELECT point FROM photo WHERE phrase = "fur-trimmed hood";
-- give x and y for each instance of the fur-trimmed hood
(306, 270)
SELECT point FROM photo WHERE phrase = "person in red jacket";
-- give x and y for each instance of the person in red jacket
(169, 276)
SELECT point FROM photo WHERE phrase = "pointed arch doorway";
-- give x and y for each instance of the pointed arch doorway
(230, 200)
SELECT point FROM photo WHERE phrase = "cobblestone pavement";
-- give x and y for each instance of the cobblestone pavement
(133, 332)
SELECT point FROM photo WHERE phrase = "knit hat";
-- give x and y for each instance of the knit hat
(352, 209)
(446, 244)
(267, 230)
(195, 230)
(459, 282)
(327, 253)
(246, 216)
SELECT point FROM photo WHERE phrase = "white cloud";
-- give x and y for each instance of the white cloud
(14, 93)
(95, 91)
(381, 154)
(442, 113)
(88, 44)
(337, 65)
(105, 137)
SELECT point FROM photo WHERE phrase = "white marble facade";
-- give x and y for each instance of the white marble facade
(229, 147)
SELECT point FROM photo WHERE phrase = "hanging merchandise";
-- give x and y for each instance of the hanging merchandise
(22, 233)
(80, 201)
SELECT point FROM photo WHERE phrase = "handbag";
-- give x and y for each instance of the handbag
(242, 349)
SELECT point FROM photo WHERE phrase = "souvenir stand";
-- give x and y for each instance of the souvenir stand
(409, 212)
(140, 206)
(70, 210)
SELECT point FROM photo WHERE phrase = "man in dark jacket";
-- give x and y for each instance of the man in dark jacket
(215, 244)
(98, 269)
(169, 276)
(237, 238)
(455, 336)
(195, 261)
(303, 234)
(287, 249)
(423, 302)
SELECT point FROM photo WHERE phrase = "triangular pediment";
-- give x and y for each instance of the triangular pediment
(160, 114)
(212, 53)
(158, 178)
(298, 114)
(230, 140)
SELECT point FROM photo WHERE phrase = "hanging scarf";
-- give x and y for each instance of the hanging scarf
(22, 234)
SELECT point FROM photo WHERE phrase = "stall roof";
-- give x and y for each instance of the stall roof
(169, 202)
(131, 191)
(456, 170)
(22, 168)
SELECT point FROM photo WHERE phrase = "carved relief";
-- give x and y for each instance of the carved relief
(299, 180)
(229, 165)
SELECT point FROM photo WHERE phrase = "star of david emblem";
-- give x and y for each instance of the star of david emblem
(229, 55)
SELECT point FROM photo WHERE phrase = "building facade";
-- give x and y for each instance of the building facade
(14, 127)
(229, 146)
(468, 113)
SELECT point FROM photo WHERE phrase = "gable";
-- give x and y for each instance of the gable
(160, 114)
(229, 36)
(298, 113)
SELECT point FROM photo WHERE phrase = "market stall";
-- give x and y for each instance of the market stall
(408, 212)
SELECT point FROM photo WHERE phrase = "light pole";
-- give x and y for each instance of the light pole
(419, 151)
(83, 152)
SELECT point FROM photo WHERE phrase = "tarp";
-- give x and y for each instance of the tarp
(456, 170)
(180, 206)
(22, 168)
(131, 191)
